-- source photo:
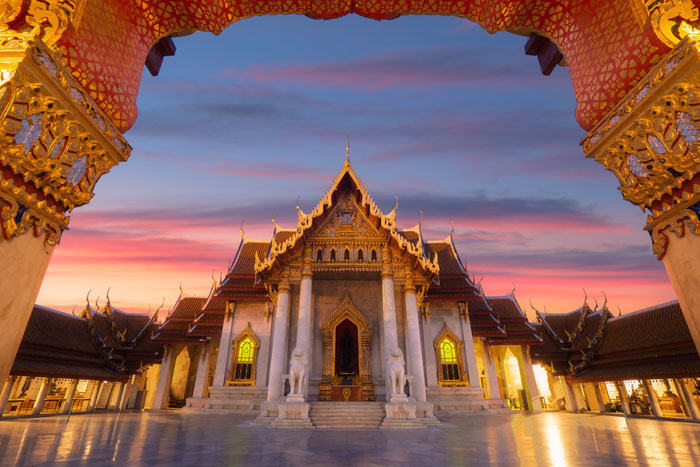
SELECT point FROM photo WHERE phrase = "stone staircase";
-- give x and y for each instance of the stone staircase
(242, 400)
(347, 415)
(464, 401)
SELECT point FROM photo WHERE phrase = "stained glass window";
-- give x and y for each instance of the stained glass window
(448, 354)
(245, 350)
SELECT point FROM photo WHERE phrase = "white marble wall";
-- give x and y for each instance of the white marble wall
(253, 313)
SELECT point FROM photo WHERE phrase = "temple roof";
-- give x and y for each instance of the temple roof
(512, 319)
(654, 342)
(58, 344)
(177, 324)
(387, 222)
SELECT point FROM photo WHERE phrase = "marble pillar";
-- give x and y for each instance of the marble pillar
(41, 397)
(469, 353)
(656, 408)
(391, 340)
(624, 398)
(278, 354)
(5, 395)
(683, 267)
(599, 397)
(200, 380)
(70, 395)
(414, 342)
(572, 403)
(124, 401)
(304, 320)
(224, 357)
(161, 396)
(23, 263)
(114, 401)
(95, 395)
(693, 409)
(527, 375)
(494, 391)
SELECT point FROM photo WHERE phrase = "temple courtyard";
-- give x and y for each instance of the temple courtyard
(170, 438)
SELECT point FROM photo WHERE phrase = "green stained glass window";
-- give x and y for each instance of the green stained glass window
(448, 353)
(245, 351)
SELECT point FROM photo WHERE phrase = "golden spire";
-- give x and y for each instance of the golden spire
(347, 153)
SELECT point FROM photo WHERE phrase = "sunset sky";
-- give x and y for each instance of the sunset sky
(454, 121)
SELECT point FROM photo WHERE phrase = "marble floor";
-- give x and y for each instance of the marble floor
(170, 438)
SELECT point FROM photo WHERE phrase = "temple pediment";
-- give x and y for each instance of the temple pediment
(345, 220)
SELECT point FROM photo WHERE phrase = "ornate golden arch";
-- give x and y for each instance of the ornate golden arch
(346, 310)
(459, 350)
(246, 333)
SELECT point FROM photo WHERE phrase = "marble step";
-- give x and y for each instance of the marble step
(346, 415)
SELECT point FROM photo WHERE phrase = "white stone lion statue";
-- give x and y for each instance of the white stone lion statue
(297, 371)
(396, 372)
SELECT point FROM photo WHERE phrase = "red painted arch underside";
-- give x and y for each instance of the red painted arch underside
(606, 49)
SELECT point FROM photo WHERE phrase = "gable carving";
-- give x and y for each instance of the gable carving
(346, 220)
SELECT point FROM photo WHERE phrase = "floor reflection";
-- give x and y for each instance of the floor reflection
(172, 438)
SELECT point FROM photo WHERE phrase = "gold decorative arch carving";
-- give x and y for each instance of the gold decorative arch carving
(346, 310)
(451, 371)
(243, 365)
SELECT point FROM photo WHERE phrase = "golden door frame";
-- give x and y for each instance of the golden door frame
(346, 310)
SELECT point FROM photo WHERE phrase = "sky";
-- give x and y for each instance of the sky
(451, 120)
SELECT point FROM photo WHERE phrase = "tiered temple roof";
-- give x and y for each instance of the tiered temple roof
(439, 260)
(108, 344)
(650, 343)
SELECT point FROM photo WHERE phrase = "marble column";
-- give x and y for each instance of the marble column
(391, 340)
(278, 355)
(469, 353)
(572, 400)
(5, 395)
(95, 395)
(682, 386)
(599, 397)
(491, 373)
(70, 395)
(200, 380)
(161, 395)
(304, 318)
(414, 342)
(114, 402)
(124, 401)
(41, 397)
(652, 397)
(527, 375)
(224, 357)
(624, 398)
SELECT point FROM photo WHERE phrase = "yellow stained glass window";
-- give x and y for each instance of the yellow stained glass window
(448, 353)
(245, 350)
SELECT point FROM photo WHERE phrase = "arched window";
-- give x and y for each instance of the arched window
(333, 254)
(319, 255)
(374, 255)
(245, 351)
(448, 348)
(360, 255)
(347, 255)
(448, 360)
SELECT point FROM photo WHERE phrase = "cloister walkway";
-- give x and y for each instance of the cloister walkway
(169, 438)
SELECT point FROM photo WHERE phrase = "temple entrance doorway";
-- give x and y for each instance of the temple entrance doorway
(346, 358)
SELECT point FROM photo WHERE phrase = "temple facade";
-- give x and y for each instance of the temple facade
(347, 307)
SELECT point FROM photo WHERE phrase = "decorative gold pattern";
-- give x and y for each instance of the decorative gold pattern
(346, 310)
(680, 224)
(54, 142)
(651, 142)
(347, 227)
(671, 20)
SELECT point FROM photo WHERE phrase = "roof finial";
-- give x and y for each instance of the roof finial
(242, 232)
(182, 292)
(421, 217)
(453, 228)
(108, 301)
(347, 153)
(87, 299)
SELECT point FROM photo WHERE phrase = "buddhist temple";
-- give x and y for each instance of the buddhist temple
(347, 307)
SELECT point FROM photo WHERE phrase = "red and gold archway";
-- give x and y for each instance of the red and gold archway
(70, 72)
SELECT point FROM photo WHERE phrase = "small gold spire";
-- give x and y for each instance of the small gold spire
(347, 153)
